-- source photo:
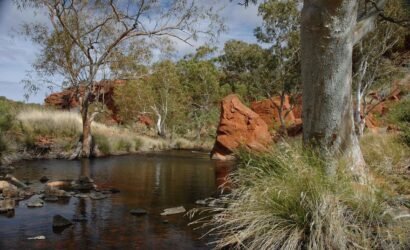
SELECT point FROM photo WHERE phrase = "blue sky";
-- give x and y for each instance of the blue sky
(17, 54)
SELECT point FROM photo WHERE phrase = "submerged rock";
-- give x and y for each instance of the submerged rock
(61, 222)
(44, 179)
(138, 211)
(174, 210)
(40, 237)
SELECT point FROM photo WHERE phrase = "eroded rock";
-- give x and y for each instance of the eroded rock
(239, 126)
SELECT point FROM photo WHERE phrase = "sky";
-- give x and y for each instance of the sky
(17, 54)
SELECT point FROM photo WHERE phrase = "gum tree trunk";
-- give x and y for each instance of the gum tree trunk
(86, 137)
(327, 31)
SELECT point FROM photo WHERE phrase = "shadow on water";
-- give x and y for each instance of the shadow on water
(152, 182)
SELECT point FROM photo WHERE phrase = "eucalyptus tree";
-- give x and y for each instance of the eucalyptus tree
(83, 37)
(244, 66)
(200, 80)
(280, 29)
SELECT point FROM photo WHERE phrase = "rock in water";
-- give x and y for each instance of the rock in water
(174, 210)
(7, 205)
(138, 211)
(239, 126)
(61, 222)
(44, 179)
(98, 196)
(35, 203)
(40, 237)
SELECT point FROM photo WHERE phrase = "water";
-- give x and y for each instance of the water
(152, 182)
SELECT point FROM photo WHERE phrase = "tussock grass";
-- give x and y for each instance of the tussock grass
(284, 200)
(65, 124)
(388, 157)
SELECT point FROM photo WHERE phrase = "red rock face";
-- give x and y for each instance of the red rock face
(268, 111)
(239, 126)
(102, 92)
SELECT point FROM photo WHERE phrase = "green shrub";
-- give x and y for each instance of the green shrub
(103, 144)
(284, 200)
(137, 144)
(123, 145)
(400, 115)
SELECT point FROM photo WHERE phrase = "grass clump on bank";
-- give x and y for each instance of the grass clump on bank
(284, 200)
(65, 128)
(400, 115)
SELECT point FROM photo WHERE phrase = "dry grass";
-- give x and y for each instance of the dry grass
(65, 124)
(284, 200)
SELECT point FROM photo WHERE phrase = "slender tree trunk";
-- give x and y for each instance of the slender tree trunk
(327, 45)
(86, 119)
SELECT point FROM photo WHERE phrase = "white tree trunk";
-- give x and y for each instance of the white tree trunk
(327, 45)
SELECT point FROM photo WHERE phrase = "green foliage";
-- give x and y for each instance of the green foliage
(6, 119)
(400, 115)
(123, 145)
(284, 200)
(245, 67)
(103, 144)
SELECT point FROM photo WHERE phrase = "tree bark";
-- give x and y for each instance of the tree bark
(86, 119)
(327, 31)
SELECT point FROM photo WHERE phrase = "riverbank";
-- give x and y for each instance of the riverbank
(38, 133)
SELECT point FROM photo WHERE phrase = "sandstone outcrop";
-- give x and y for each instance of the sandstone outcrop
(239, 126)
(268, 110)
(103, 92)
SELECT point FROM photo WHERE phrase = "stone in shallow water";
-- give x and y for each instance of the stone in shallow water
(138, 211)
(60, 222)
(44, 179)
(7, 205)
(35, 203)
(81, 196)
(50, 198)
(40, 237)
(98, 196)
(174, 210)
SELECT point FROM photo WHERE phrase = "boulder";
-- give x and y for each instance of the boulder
(103, 92)
(6, 185)
(44, 179)
(238, 127)
(7, 205)
(61, 222)
(268, 110)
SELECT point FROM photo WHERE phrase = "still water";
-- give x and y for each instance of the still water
(152, 182)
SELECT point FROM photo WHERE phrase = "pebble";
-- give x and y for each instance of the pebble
(138, 211)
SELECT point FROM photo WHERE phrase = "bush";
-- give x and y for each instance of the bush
(400, 115)
(103, 144)
(284, 200)
(137, 144)
(6, 120)
(123, 145)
